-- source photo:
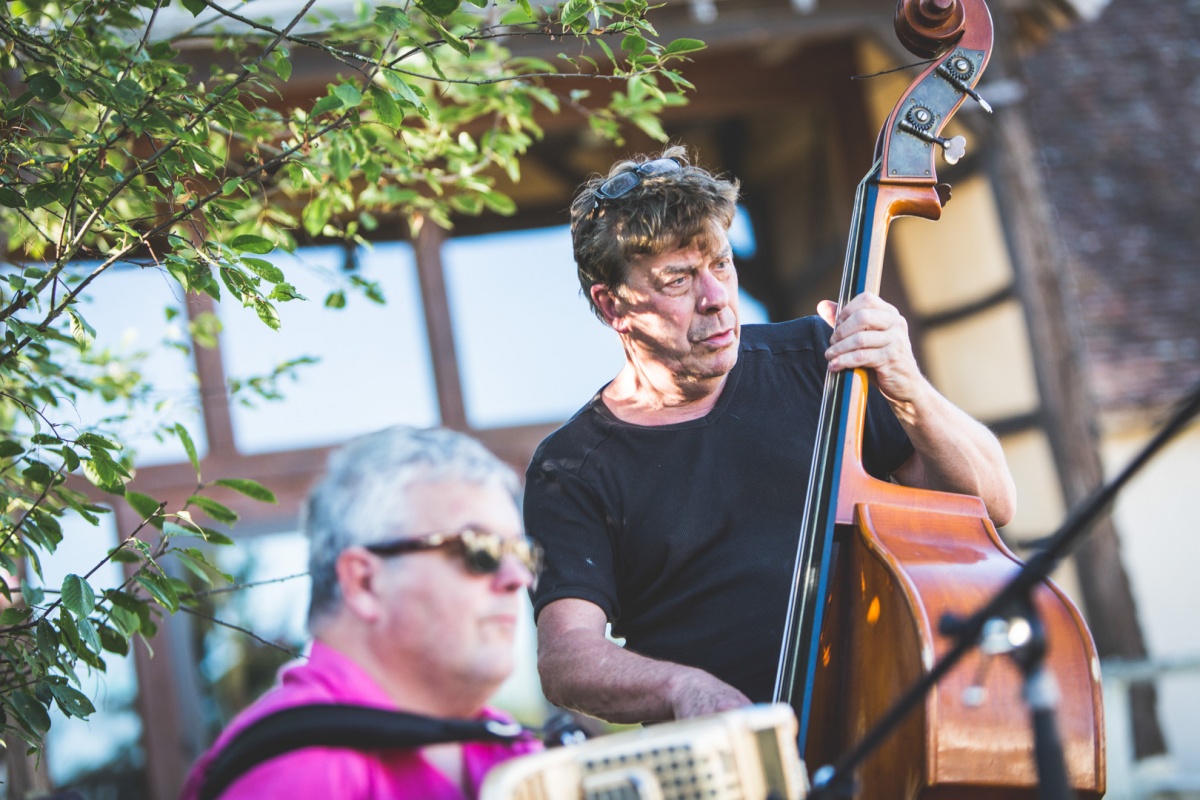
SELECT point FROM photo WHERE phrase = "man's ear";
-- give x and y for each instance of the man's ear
(358, 574)
(610, 306)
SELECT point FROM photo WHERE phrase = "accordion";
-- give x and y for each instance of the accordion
(746, 754)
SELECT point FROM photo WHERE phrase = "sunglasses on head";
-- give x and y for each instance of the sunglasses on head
(622, 183)
(481, 550)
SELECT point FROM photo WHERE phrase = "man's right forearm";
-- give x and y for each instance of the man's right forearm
(593, 675)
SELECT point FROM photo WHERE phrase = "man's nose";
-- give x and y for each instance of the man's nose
(712, 293)
(512, 575)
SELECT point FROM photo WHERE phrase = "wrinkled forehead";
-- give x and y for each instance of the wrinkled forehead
(706, 236)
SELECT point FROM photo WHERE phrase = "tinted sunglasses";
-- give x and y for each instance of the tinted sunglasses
(481, 550)
(624, 182)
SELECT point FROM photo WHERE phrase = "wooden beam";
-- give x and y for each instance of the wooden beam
(210, 374)
(165, 732)
(439, 325)
(1040, 263)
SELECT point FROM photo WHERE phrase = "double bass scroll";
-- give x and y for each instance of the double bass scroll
(859, 633)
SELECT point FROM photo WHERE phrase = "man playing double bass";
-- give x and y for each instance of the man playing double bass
(670, 505)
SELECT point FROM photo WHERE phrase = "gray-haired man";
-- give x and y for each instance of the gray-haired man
(419, 566)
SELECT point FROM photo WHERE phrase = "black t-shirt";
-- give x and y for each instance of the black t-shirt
(686, 534)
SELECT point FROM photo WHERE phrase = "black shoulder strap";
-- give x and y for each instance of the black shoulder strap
(333, 725)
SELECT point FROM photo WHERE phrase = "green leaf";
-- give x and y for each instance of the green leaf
(124, 600)
(172, 529)
(70, 458)
(44, 86)
(47, 640)
(40, 474)
(681, 46)
(162, 51)
(194, 6)
(454, 41)
(264, 269)
(278, 63)
(335, 299)
(10, 198)
(219, 512)
(386, 107)
(30, 711)
(285, 292)
(123, 555)
(215, 537)
(102, 473)
(199, 565)
(88, 635)
(392, 18)
(145, 505)
(500, 203)
(32, 594)
(518, 16)
(408, 94)
(651, 126)
(349, 94)
(113, 641)
(252, 489)
(10, 449)
(66, 624)
(467, 204)
(93, 440)
(161, 590)
(607, 50)
(193, 567)
(316, 214)
(574, 11)
(267, 313)
(329, 102)
(341, 162)
(188, 446)
(250, 243)
(73, 702)
(13, 616)
(77, 595)
(438, 8)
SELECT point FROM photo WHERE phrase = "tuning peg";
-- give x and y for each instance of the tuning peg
(952, 149)
(958, 70)
(974, 95)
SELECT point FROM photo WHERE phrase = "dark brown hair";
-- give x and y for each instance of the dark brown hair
(665, 211)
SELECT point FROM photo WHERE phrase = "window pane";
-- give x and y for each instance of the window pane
(109, 739)
(127, 306)
(528, 346)
(273, 603)
(373, 366)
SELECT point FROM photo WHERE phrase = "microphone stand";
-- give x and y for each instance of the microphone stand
(1009, 623)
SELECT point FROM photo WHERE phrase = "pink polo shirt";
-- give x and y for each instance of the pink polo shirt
(319, 772)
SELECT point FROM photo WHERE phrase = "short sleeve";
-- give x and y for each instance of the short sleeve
(885, 444)
(567, 518)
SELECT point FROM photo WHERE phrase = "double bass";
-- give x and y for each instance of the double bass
(879, 565)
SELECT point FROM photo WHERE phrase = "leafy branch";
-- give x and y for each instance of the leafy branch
(118, 148)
